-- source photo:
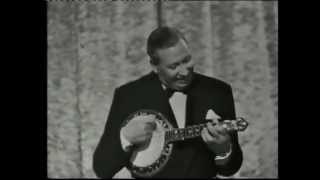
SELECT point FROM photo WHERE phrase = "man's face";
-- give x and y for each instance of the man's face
(175, 68)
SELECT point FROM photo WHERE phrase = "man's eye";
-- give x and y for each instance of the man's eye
(186, 60)
(173, 67)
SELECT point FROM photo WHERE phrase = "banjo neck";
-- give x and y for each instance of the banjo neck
(180, 134)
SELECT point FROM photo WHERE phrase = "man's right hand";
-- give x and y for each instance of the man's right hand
(139, 130)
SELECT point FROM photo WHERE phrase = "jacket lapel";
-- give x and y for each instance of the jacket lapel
(157, 99)
(195, 103)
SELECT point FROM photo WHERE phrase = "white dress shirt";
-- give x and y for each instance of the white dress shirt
(178, 104)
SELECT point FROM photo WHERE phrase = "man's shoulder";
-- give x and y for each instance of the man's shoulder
(211, 82)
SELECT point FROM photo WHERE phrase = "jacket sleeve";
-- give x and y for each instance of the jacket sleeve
(235, 161)
(109, 157)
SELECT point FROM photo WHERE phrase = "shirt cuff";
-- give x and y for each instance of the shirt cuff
(224, 156)
(124, 142)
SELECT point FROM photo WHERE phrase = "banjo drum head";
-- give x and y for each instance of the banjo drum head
(150, 158)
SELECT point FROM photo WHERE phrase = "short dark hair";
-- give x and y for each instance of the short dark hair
(161, 38)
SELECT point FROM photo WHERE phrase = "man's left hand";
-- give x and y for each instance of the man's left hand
(217, 138)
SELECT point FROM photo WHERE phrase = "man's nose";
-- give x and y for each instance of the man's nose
(183, 71)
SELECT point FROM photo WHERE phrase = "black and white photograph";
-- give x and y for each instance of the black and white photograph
(162, 89)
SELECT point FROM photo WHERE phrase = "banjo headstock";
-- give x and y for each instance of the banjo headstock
(239, 124)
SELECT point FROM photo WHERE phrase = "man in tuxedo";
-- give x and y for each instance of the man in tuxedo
(186, 98)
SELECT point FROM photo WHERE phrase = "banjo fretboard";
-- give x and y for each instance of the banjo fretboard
(180, 134)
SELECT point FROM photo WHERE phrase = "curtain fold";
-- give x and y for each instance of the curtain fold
(63, 141)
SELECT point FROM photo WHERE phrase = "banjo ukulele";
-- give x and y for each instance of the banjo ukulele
(150, 158)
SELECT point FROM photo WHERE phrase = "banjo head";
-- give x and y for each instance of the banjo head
(150, 158)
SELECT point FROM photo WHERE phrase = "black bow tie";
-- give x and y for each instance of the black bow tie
(169, 92)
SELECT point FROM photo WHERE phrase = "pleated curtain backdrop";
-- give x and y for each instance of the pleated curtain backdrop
(95, 46)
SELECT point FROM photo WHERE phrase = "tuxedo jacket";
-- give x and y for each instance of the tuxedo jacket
(190, 158)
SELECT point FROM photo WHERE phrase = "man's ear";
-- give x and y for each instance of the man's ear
(154, 67)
